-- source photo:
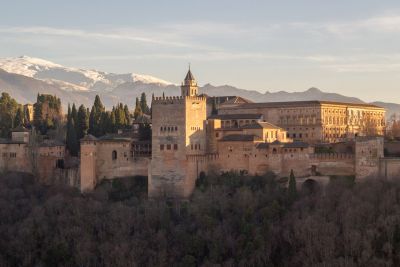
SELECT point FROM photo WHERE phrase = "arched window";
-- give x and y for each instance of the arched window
(114, 155)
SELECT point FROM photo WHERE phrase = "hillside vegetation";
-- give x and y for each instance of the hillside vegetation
(229, 221)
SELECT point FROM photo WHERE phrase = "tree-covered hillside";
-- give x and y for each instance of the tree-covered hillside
(229, 221)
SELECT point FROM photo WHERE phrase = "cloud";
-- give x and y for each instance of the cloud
(117, 34)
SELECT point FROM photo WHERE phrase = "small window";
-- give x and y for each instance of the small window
(114, 155)
(161, 147)
(169, 147)
(217, 135)
(176, 128)
(175, 146)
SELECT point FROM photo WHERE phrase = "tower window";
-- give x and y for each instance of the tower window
(114, 155)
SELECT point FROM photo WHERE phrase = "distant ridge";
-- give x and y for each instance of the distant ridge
(23, 77)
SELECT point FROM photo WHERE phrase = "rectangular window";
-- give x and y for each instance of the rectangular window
(175, 146)
(168, 147)
(161, 147)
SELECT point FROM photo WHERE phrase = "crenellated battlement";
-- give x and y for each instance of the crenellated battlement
(207, 157)
(176, 99)
(332, 156)
(168, 100)
(196, 98)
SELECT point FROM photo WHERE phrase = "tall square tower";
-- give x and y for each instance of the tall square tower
(177, 132)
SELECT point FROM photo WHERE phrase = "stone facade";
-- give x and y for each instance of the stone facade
(178, 125)
(109, 157)
(44, 159)
(318, 121)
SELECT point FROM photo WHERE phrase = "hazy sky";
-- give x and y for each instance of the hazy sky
(345, 46)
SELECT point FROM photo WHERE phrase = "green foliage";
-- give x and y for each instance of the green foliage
(138, 109)
(8, 112)
(214, 110)
(102, 122)
(52, 107)
(82, 124)
(292, 190)
(72, 141)
(144, 132)
(143, 104)
(95, 127)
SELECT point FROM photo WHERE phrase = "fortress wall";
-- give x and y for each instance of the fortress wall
(20, 162)
(333, 163)
(389, 168)
(123, 166)
(167, 171)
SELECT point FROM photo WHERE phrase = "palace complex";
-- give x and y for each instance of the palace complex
(191, 135)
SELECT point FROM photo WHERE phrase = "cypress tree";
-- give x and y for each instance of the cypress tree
(74, 115)
(82, 122)
(138, 111)
(95, 117)
(292, 190)
(19, 117)
(143, 104)
(214, 107)
(127, 116)
(72, 140)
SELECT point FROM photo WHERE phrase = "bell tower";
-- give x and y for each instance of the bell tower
(189, 85)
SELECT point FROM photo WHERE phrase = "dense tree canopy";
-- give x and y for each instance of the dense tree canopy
(229, 221)
(9, 114)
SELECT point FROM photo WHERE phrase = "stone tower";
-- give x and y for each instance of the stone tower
(177, 132)
(189, 85)
(88, 163)
(369, 151)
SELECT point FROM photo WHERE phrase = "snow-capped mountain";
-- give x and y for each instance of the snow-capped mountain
(73, 79)
(24, 77)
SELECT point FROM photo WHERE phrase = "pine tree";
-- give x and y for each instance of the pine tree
(138, 111)
(292, 190)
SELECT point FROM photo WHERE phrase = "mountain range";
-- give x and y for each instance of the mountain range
(24, 77)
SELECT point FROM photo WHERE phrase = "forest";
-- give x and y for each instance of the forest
(230, 220)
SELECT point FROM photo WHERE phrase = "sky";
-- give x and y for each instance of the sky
(350, 47)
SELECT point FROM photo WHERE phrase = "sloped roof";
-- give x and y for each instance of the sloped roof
(114, 138)
(296, 144)
(20, 129)
(51, 143)
(236, 116)
(302, 103)
(240, 137)
(142, 119)
(189, 76)
(89, 137)
(260, 125)
(231, 99)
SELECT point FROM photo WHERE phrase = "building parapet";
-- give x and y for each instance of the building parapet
(332, 156)
(167, 100)
(175, 99)
(206, 157)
